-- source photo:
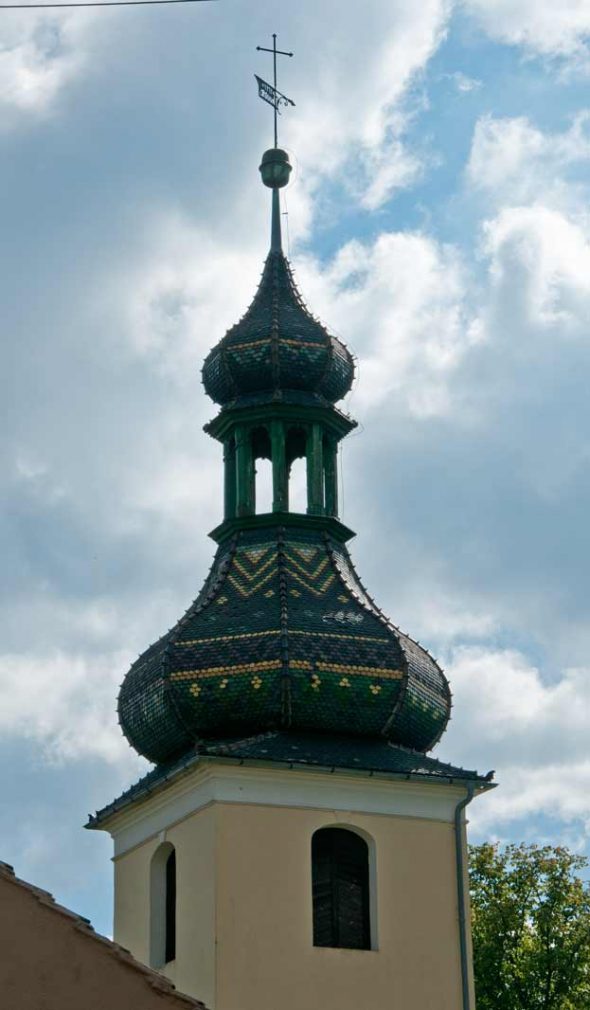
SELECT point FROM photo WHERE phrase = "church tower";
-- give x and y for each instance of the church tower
(293, 848)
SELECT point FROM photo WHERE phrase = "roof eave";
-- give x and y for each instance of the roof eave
(228, 416)
(101, 819)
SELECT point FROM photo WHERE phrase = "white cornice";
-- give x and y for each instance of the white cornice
(216, 782)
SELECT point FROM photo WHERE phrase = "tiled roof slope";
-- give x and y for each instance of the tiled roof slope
(282, 636)
(299, 750)
(80, 968)
(278, 349)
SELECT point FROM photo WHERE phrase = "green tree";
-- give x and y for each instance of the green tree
(531, 928)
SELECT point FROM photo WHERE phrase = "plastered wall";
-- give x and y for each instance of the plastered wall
(194, 841)
(244, 917)
(51, 961)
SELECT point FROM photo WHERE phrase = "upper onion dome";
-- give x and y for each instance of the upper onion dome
(278, 347)
(277, 350)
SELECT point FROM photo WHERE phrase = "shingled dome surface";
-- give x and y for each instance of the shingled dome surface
(277, 348)
(283, 635)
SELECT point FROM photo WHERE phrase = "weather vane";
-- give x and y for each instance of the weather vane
(269, 92)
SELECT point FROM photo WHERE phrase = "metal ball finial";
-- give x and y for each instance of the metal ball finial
(275, 168)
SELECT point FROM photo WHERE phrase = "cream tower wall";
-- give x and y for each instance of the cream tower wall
(244, 905)
(194, 841)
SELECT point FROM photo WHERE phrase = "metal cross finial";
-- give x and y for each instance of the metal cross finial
(271, 94)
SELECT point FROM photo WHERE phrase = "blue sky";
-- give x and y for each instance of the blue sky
(438, 222)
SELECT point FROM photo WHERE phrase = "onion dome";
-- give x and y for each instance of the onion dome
(282, 636)
(278, 350)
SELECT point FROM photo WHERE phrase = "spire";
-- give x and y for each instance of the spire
(269, 92)
(275, 169)
(277, 350)
(283, 634)
(276, 242)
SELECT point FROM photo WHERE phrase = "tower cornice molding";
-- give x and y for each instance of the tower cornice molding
(289, 520)
(225, 780)
(334, 420)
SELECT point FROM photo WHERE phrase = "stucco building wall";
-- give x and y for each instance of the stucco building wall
(196, 869)
(51, 960)
(244, 908)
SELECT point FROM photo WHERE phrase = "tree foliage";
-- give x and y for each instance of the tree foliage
(531, 928)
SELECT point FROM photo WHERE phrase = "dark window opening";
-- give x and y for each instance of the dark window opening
(296, 455)
(340, 882)
(170, 907)
(296, 445)
(261, 446)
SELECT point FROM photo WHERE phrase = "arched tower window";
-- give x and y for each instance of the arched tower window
(280, 466)
(340, 883)
(262, 453)
(170, 926)
(163, 906)
(296, 452)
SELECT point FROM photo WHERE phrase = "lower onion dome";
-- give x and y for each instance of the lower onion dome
(282, 635)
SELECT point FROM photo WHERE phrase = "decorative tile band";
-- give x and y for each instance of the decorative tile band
(336, 634)
(258, 568)
(266, 341)
(365, 671)
(322, 587)
(228, 638)
(306, 570)
(245, 592)
(212, 671)
(274, 664)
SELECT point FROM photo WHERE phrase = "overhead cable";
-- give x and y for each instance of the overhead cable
(96, 3)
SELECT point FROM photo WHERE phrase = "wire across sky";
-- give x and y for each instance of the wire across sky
(97, 3)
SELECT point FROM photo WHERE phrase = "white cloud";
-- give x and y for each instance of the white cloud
(442, 615)
(463, 83)
(353, 114)
(39, 55)
(558, 792)
(66, 703)
(541, 26)
(511, 160)
(176, 296)
(35, 476)
(388, 168)
(500, 695)
(534, 732)
(182, 486)
(402, 303)
(540, 266)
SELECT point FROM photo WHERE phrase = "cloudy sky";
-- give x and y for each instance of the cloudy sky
(438, 222)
